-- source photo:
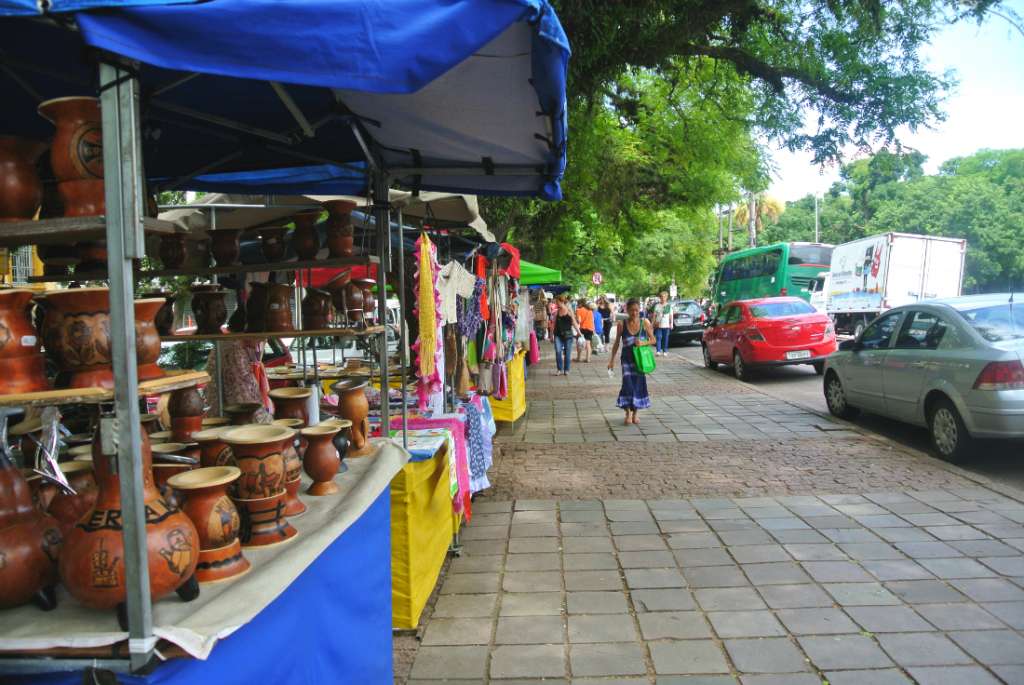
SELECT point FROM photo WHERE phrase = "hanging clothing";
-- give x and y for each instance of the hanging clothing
(469, 311)
(428, 348)
(513, 265)
(453, 281)
(481, 272)
(524, 316)
(633, 393)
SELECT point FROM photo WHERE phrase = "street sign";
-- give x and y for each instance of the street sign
(672, 291)
(597, 278)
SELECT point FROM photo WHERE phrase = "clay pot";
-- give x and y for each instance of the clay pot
(369, 302)
(164, 318)
(216, 520)
(172, 250)
(264, 522)
(22, 191)
(147, 338)
(22, 365)
(321, 460)
(292, 468)
(339, 227)
(293, 506)
(259, 453)
(82, 198)
(290, 403)
(279, 308)
(272, 243)
(256, 308)
(352, 405)
(69, 509)
(76, 332)
(213, 451)
(76, 153)
(305, 239)
(210, 309)
(92, 563)
(30, 543)
(224, 246)
(354, 298)
(316, 309)
(242, 413)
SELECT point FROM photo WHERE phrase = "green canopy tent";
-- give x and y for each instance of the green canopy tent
(535, 274)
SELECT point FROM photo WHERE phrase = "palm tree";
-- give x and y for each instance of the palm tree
(767, 210)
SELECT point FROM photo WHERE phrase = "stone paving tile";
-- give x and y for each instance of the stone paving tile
(527, 661)
(602, 628)
(590, 562)
(531, 604)
(795, 596)
(745, 624)
(887, 676)
(531, 581)
(992, 647)
(860, 594)
(924, 591)
(544, 561)
(444, 663)
(607, 659)
(959, 616)
(1012, 613)
(529, 630)
(592, 580)
(843, 652)
(922, 649)
(467, 606)
(819, 621)
(888, 619)
(952, 675)
(689, 657)
(766, 655)
(662, 600)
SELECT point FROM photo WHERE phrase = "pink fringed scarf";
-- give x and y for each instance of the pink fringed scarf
(428, 304)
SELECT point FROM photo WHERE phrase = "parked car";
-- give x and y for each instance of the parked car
(688, 322)
(771, 331)
(952, 366)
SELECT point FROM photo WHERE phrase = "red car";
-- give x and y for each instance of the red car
(771, 331)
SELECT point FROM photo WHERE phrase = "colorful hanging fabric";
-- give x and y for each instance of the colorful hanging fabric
(469, 311)
(481, 272)
(479, 456)
(427, 347)
(513, 265)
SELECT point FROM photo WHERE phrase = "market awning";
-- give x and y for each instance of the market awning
(463, 96)
(535, 274)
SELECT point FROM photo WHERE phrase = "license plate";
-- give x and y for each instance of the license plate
(799, 354)
(684, 320)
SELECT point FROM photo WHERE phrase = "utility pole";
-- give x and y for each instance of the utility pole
(752, 220)
(816, 226)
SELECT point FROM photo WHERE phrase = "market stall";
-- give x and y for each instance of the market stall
(192, 90)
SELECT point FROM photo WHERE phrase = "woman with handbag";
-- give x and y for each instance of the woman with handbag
(566, 330)
(636, 336)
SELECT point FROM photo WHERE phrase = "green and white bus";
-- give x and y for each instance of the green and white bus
(794, 269)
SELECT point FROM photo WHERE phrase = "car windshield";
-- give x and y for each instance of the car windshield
(769, 310)
(684, 307)
(996, 323)
(820, 255)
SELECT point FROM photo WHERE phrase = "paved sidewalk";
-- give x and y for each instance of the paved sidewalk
(886, 587)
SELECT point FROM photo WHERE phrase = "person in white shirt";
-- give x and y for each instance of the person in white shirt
(663, 319)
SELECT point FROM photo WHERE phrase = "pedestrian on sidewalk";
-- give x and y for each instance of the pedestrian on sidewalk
(600, 327)
(605, 310)
(566, 329)
(663, 313)
(585, 318)
(632, 332)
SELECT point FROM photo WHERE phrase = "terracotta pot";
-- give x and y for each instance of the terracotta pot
(305, 239)
(172, 250)
(259, 453)
(82, 198)
(163, 470)
(290, 403)
(264, 522)
(279, 308)
(216, 519)
(352, 405)
(147, 338)
(69, 509)
(213, 451)
(272, 243)
(242, 413)
(164, 318)
(339, 227)
(224, 246)
(210, 310)
(256, 308)
(186, 402)
(22, 190)
(316, 309)
(77, 148)
(30, 543)
(92, 258)
(184, 428)
(22, 365)
(76, 331)
(92, 563)
(321, 460)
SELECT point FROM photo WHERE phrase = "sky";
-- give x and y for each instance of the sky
(986, 109)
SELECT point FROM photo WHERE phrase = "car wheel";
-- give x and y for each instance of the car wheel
(859, 328)
(819, 367)
(739, 367)
(949, 435)
(835, 398)
(707, 358)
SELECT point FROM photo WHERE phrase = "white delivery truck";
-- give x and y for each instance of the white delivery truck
(871, 275)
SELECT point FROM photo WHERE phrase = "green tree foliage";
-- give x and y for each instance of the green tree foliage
(979, 197)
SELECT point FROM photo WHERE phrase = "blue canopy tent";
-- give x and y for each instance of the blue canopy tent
(454, 95)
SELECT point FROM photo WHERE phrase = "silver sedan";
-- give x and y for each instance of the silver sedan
(953, 366)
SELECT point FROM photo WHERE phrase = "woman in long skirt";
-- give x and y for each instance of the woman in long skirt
(634, 332)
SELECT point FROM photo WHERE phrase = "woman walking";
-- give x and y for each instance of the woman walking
(605, 310)
(585, 320)
(632, 333)
(566, 329)
(663, 317)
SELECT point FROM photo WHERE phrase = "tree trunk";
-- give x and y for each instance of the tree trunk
(731, 214)
(752, 220)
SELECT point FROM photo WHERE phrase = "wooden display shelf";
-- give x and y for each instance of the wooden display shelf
(315, 333)
(214, 270)
(66, 230)
(174, 380)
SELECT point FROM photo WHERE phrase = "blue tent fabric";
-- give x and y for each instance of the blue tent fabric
(325, 179)
(30, 7)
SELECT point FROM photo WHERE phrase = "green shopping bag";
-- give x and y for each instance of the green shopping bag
(643, 355)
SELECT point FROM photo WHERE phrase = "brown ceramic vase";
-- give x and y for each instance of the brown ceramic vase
(354, 299)
(316, 309)
(279, 309)
(321, 460)
(259, 453)
(292, 467)
(210, 309)
(305, 239)
(340, 234)
(290, 403)
(22, 365)
(22, 191)
(76, 332)
(147, 338)
(216, 520)
(30, 543)
(369, 302)
(224, 246)
(76, 153)
(352, 405)
(92, 565)
(338, 288)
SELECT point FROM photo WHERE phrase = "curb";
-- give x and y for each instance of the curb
(1010, 491)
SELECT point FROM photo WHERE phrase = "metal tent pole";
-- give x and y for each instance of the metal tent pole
(402, 331)
(122, 162)
(383, 219)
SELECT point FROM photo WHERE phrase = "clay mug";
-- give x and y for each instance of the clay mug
(263, 521)
(242, 413)
(147, 338)
(213, 451)
(338, 288)
(76, 333)
(305, 239)
(164, 319)
(76, 153)
(22, 191)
